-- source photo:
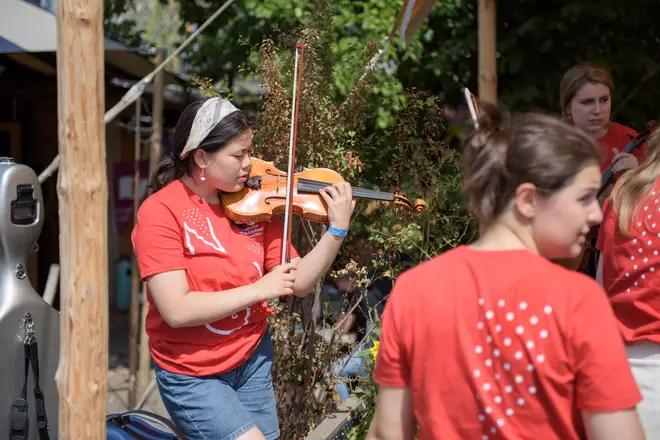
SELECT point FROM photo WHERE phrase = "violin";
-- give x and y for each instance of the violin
(269, 191)
(586, 261)
(264, 195)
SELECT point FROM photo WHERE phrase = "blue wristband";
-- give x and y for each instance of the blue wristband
(338, 232)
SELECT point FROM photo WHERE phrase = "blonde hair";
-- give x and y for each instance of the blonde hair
(501, 155)
(630, 191)
(579, 75)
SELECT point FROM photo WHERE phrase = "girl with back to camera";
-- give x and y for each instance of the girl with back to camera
(492, 340)
(629, 270)
(209, 280)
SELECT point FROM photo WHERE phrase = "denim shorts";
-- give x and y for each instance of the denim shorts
(225, 406)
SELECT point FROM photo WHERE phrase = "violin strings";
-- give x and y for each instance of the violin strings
(357, 192)
(314, 186)
(317, 186)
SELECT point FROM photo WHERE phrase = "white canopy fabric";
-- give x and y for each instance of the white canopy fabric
(27, 27)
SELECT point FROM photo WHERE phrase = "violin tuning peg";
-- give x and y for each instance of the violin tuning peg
(419, 205)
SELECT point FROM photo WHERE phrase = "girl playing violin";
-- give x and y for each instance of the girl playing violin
(209, 280)
(629, 269)
(585, 96)
(492, 340)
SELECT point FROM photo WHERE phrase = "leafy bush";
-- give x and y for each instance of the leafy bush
(411, 156)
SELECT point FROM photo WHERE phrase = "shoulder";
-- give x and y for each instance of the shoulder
(161, 204)
(464, 263)
(622, 130)
(432, 268)
(572, 282)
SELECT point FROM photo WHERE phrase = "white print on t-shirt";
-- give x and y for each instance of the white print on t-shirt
(247, 312)
(510, 355)
(644, 241)
(253, 231)
(202, 227)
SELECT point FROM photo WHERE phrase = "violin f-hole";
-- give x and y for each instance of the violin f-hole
(268, 202)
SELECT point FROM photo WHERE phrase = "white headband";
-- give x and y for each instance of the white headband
(206, 119)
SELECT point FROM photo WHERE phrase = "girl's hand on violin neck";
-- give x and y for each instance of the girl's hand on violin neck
(278, 282)
(623, 161)
(339, 198)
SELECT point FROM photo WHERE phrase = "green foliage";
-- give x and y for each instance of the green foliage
(411, 157)
(145, 24)
(405, 151)
(380, 131)
(536, 43)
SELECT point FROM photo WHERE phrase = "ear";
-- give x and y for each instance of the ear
(526, 200)
(200, 157)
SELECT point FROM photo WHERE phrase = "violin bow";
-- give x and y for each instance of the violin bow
(472, 106)
(295, 101)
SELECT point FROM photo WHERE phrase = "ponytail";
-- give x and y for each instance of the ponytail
(169, 169)
(504, 153)
(484, 165)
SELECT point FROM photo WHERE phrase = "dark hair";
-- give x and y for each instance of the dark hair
(171, 167)
(536, 148)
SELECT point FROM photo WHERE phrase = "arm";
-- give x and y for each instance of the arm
(345, 322)
(316, 263)
(181, 307)
(613, 425)
(159, 249)
(393, 418)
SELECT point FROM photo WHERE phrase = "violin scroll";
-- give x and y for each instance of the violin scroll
(417, 206)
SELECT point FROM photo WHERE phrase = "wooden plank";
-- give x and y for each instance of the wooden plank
(82, 190)
(487, 51)
(144, 371)
(135, 275)
(336, 422)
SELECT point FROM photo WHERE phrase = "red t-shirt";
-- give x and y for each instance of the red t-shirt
(629, 269)
(177, 229)
(502, 344)
(618, 136)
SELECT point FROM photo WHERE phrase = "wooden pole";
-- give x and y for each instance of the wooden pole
(135, 272)
(82, 189)
(144, 371)
(154, 157)
(487, 51)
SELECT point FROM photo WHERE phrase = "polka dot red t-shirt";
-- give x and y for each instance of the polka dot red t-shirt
(631, 269)
(502, 345)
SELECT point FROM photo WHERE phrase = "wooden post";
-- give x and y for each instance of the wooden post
(154, 157)
(144, 368)
(135, 272)
(157, 113)
(487, 51)
(82, 189)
